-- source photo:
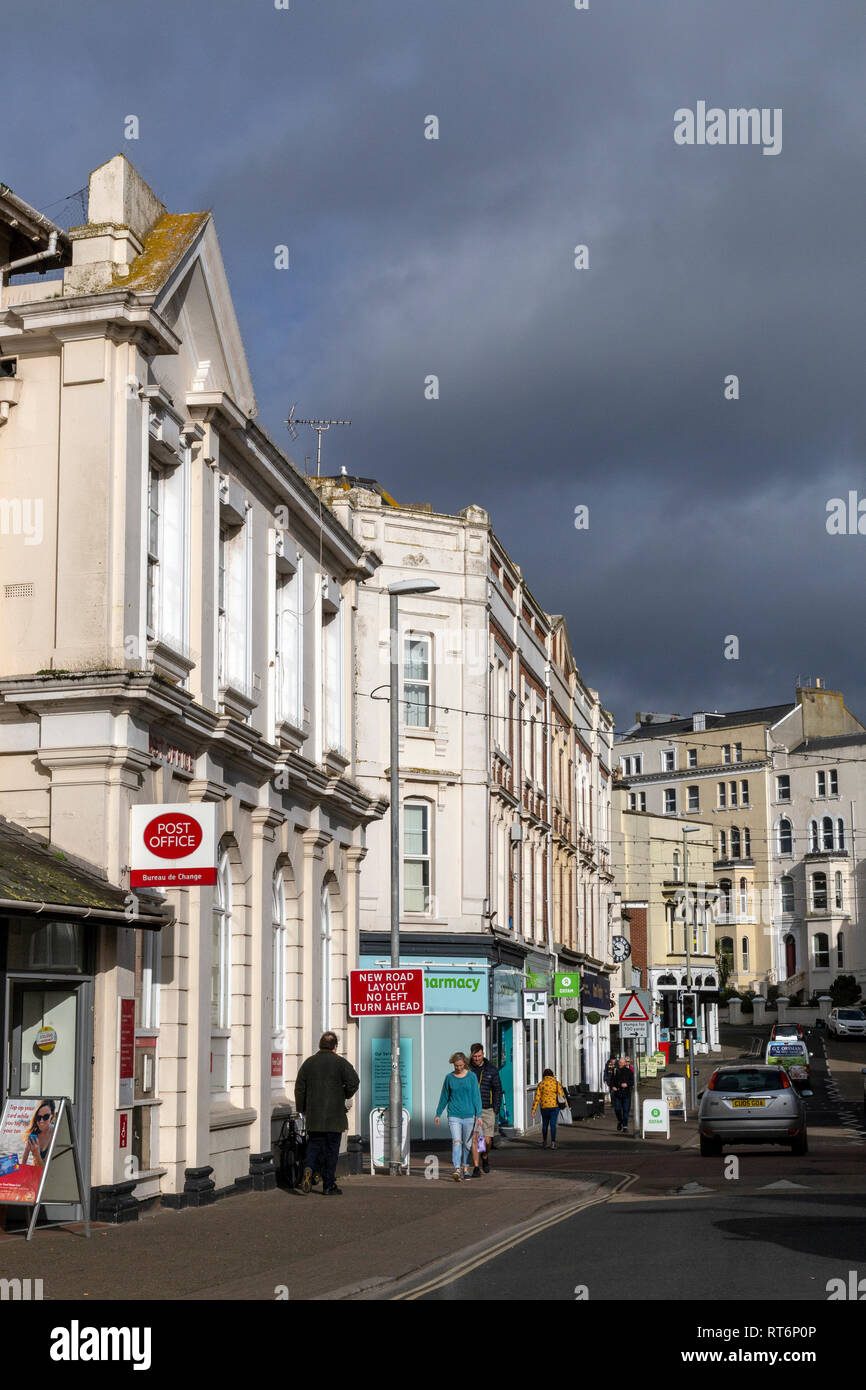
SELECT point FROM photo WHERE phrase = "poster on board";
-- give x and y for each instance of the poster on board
(27, 1131)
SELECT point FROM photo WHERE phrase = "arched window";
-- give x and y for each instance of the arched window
(838, 889)
(735, 842)
(813, 837)
(819, 892)
(723, 845)
(786, 893)
(840, 949)
(278, 960)
(840, 833)
(785, 836)
(726, 891)
(326, 932)
(744, 949)
(220, 978)
(747, 843)
(744, 897)
(827, 833)
(821, 949)
(416, 856)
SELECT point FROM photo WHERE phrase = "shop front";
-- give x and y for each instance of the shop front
(595, 1027)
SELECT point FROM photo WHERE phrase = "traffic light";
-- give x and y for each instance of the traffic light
(690, 1011)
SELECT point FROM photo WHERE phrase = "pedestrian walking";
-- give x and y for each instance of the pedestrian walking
(323, 1086)
(461, 1094)
(611, 1067)
(622, 1092)
(550, 1096)
(490, 1086)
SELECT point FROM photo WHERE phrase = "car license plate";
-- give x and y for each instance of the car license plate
(753, 1100)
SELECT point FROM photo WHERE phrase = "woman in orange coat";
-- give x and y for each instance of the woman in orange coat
(548, 1093)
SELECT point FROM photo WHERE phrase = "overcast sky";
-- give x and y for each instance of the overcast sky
(455, 257)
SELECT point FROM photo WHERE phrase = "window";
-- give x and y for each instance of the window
(153, 529)
(222, 618)
(827, 833)
(638, 764)
(726, 752)
(786, 893)
(416, 682)
(500, 703)
(693, 757)
(834, 782)
(416, 857)
(637, 801)
(840, 833)
(735, 842)
(723, 845)
(278, 962)
(669, 762)
(785, 837)
(289, 648)
(821, 783)
(744, 951)
(744, 898)
(813, 837)
(783, 788)
(326, 937)
(333, 692)
(744, 793)
(726, 890)
(747, 843)
(821, 950)
(819, 892)
(670, 801)
(738, 752)
(676, 866)
(723, 795)
(220, 988)
(732, 788)
(234, 611)
(837, 883)
(694, 799)
(625, 763)
(147, 960)
(840, 950)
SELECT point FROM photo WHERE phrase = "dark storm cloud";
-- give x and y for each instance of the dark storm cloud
(455, 257)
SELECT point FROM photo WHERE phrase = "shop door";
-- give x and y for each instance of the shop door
(34, 1010)
(503, 1058)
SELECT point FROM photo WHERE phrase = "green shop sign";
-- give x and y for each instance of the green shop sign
(456, 991)
(566, 984)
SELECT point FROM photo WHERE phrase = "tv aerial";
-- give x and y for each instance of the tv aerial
(320, 426)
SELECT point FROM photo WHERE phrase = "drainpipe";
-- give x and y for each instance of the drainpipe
(28, 260)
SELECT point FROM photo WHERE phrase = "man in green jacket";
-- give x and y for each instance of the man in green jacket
(324, 1084)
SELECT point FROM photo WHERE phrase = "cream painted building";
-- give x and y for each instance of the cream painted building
(177, 623)
(505, 764)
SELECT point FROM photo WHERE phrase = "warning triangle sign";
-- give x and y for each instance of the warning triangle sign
(633, 1010)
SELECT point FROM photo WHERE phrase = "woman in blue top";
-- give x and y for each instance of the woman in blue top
(462, 1095)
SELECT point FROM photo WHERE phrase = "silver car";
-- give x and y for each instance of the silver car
(747, 1103)
(847, 1023)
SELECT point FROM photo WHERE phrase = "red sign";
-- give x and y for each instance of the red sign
(385, 993)
(172, 836)
(633, 1011)
(127, 1039)
(276, 1064)
(124, 1130)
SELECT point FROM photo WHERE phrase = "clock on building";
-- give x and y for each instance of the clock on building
(621, 948)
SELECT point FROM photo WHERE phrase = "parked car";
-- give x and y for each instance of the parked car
(794, 1056)
(751, 1104)
(787, 1030)
(847, 1023)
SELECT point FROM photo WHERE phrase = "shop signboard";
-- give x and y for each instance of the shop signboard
(656, 1118)
(456, 991)
(172, 846)
(534, 1003)
(566, 984)
(595, 993)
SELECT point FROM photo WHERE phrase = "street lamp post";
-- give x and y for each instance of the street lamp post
(690, 1064)
(395, 1089)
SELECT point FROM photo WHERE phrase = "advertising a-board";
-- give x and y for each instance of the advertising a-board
(26, 1132)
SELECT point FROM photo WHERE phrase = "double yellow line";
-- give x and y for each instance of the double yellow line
(492, 1252)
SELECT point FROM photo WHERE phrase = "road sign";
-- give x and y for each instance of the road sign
(385, 993)
(656, 1118)
(633, 1008)
(634, 1028)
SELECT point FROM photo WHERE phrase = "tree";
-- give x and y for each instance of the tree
(844, 990)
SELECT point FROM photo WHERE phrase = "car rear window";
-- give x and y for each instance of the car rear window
(755, 1079)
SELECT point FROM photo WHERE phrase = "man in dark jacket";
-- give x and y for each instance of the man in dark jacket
(324, 1084)
(491, 1101)
(623, 1085)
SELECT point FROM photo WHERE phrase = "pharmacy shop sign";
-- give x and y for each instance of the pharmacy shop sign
(172, 846)
(456, 991)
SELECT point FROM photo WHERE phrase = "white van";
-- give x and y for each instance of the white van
(793, 1055)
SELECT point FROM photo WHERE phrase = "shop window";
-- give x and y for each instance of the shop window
(45, 945)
